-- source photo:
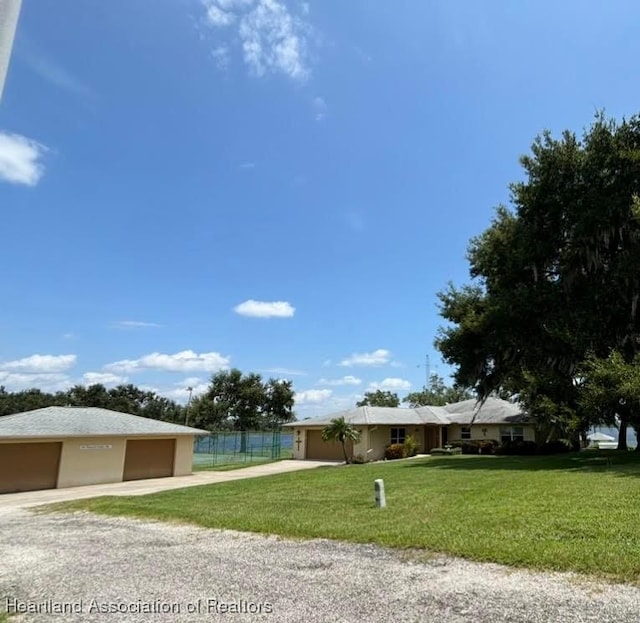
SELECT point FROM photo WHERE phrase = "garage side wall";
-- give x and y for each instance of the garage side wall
(183, 462)
(91, 460)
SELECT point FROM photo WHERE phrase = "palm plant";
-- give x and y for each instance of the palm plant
(340, 430)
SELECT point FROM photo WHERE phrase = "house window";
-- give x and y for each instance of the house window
(465, 432)
(398, 435)
(512, 433)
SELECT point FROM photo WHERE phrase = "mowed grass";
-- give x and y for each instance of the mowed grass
(574, 512)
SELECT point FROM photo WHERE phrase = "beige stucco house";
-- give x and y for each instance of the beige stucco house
(432, 427)
(60, 447)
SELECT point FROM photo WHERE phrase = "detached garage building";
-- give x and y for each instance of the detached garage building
(60, 447)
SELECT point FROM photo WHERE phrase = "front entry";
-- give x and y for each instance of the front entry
(431, 438)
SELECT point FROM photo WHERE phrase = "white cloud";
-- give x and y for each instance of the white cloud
(40, 364)
(312, 396)
(17, 381)
(273, 39)
(378, 357)
(180, 391)
(327, 405)
(133, 324)
(104, 378)
(20, 159)
(70, 336)
(319, 108)
(191, 381)
(184, 361)
(286, 372)
(265, 309)
(392, 384)
(221, 56)
(217, 17)
(248, 165)
(345, 380)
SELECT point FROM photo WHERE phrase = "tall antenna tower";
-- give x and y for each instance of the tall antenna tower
(427, 370)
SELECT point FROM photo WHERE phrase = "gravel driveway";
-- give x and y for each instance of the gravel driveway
(87, 564)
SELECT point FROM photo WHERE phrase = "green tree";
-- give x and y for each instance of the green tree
(243, 402)
(555, 278)
(278, 403)
(610, 393)
(379, 398)
(95, 395)
(341, 431)
(28, 400)
(437, 393)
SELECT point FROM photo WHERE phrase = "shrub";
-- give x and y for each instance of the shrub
(411, 446)
(524, 448)
(358, 459)
(394, 451)
(476, 446)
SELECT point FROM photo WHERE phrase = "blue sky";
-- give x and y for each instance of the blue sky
(274, 185)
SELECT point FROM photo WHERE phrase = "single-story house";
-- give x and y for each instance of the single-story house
(432, 427)
(58, 447)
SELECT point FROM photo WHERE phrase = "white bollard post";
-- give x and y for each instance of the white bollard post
(378, 486)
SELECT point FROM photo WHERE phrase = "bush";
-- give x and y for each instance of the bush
(523, 448)
(476, 446)
(358, 459)
(394, 451)
(411, 446)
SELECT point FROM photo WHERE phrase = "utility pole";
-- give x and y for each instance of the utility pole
(186, 417)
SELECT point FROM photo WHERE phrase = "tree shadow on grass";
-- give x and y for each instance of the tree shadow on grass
(602, 461)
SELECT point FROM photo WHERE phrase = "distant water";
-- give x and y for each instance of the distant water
(613, 432)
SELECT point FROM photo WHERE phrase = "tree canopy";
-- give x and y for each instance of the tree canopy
(555, 278)
(124, 398)
(437, 393)
(342, 431)
(240, 401)
(379, 398)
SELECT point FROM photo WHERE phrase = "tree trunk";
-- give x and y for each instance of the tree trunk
(243, 441)
(344, 451)
(622, 434)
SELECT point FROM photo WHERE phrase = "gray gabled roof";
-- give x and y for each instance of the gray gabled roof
(86, 422)
(493, 411)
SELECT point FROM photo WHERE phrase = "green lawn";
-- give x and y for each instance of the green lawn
(574, 512)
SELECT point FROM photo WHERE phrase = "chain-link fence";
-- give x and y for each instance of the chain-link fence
(228, 448)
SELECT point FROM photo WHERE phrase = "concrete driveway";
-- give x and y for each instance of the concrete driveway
(142, 487)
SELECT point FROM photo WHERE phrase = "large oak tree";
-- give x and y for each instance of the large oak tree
(555, 277)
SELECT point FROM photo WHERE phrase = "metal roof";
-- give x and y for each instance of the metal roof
(86, 422)
(493, 411)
